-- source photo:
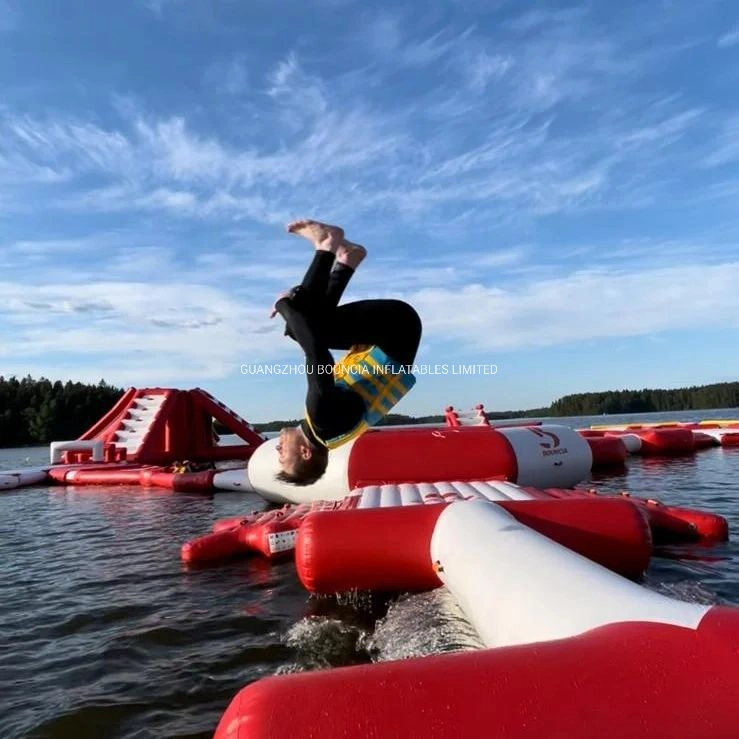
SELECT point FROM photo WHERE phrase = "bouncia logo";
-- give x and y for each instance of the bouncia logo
(550, 447)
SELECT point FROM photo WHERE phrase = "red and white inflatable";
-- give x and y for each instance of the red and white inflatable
(581, 513)
(541, 456)
(388, 549)
(574, 651)
(669, 438)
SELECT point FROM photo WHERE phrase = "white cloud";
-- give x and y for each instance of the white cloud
(546, 19)
(729, 39)
(583, 305)
(191, 329)
(482, 68)
(497, 134)
(382, 33)
(421, 53)
(726, 146)
(346, 161)
(166, 322)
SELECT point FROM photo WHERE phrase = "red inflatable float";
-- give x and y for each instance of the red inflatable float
(608, 451)
(387, 549)
(573, 650)
(621, 680)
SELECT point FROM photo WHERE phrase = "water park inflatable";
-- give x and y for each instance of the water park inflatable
(572, 650)
(671, 437)
(538, 455)
(611, 531)
(546, 570)
(165, 438)
(152, 437)
(583, 514)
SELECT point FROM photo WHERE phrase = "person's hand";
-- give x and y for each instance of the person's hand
(284, 294)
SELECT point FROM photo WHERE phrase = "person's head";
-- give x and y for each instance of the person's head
(301, 463)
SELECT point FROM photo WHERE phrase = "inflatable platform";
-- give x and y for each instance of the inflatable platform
(573, 649)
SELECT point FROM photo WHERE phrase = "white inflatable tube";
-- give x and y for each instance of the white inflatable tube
(632, 442)
(511, 491)
(10, 479)
(8, 482)
(334, 485)
(519, 587)
(234, 480)
(57, 448)
(549, 456)
(538, 456)
(415, 493)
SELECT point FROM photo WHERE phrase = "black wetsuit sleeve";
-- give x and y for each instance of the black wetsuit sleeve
(332, 410)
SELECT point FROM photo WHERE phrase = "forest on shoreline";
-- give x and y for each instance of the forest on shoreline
(35, 412)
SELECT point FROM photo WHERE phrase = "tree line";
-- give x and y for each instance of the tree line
(697, 397)
(40, 411)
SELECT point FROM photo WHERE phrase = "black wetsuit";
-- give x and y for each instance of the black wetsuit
(315, 320)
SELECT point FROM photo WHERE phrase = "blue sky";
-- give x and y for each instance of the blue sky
(553, 186)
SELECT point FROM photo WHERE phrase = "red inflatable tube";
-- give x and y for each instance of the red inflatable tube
(213, 547)
(274, 539)
(608, 451)
(58, 473)
(368, 549)
(671, 524)
(634, 679)
(388, 549)
(258, 517)
(410, 455)
(708, 526)
(226, 524)
(103, 475)
(181, 482)
(666, 441)
(666, 528)
(703, 441)
(270, 533)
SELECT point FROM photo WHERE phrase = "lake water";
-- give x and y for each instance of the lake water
(105, 634)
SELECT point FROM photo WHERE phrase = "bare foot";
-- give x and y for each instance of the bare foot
(350, 254)
(321, 235)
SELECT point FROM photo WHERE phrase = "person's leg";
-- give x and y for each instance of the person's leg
(326, 239)
(317, 277)
(393, 325)
(348, 257)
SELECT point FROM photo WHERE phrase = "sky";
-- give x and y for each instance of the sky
(553, 186)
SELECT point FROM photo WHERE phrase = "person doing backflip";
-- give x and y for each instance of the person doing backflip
(381, 338)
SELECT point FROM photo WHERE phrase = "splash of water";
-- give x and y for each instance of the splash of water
(421, 625)
(320, 643)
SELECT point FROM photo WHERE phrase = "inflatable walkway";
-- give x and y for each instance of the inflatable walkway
(573, 651)
(272, 534)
